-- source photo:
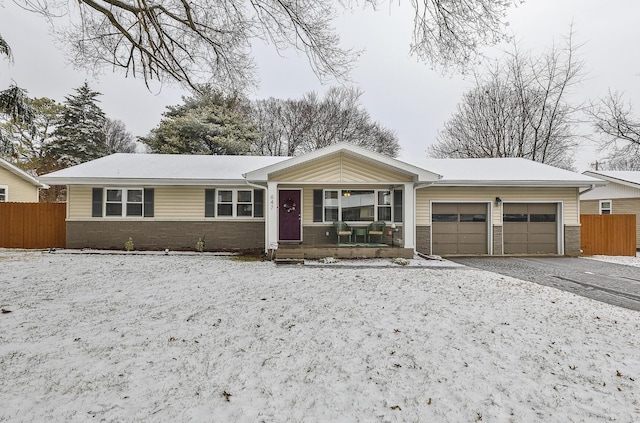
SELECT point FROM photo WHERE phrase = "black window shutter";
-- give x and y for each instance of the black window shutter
(258, 203)
(397, 206)
(209, 202)
(317, 205)
(96, 203)
(148, 202)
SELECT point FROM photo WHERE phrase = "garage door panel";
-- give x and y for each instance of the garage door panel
(538, 234)
(473, 228)
(445, 228)
(467, 235)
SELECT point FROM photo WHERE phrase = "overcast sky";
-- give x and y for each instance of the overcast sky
(400, 93)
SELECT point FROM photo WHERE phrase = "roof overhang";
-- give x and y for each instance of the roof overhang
(532, 184)
(613, 179)
(22, 174)
(143, 182)
(416, 173)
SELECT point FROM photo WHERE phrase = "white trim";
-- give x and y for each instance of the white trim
(6, 193)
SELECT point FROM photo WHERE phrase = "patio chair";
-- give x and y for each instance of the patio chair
(342, 229)
(376, 229)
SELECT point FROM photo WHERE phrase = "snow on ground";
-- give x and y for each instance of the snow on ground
(97, 337)
(626, 260)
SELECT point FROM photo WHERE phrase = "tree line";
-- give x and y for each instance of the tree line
(520, 106)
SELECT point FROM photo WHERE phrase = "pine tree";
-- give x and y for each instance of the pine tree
(80, 135)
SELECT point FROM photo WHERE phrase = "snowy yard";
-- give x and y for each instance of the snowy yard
(204, 338)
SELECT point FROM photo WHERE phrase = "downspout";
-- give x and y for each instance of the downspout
(266, 221)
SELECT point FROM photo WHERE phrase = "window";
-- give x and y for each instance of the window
(357, 205)
(124, 202)
(3, 194)
(605, 206)
(234, 203)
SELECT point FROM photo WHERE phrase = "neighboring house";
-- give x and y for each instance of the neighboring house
(437, 206)
(620, 196)
(18, 186)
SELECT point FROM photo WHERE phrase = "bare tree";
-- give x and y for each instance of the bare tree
(618, 131)
(293, 127)
(518, 109)
(118, 139)
(210, 40)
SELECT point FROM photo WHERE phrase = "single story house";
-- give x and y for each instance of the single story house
(18, 186)
(433, 206)
(620, 196)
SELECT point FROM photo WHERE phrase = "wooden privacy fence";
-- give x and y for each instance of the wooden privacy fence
(32, 225)
(608, 234)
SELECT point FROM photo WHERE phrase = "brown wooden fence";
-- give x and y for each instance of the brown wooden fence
(32, 225)
(608, 234)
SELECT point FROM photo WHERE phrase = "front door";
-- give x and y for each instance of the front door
(289, 215)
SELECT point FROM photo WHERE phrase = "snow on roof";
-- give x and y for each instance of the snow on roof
(501, 171)
(162, 167)
(625, 177)
(205, 169)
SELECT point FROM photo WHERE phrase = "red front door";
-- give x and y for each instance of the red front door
(289, 215)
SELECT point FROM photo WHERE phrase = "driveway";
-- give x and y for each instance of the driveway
(611, 283)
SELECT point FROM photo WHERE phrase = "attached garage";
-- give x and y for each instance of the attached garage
(530, 228)
(459, 228)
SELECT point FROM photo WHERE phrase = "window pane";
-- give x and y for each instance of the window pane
(114, 195)
(444, 217)
(225, 196)
(473, 218)
(3, 194)
(134, 209)
(225, 209)
(384, 213)
(330, 215)
(134, 196)
(331, 198)
(358, 206)
(114, 209)
(514, 217)
(542, 217)
(606, 212)
(244, 196)
(384, 198)
(605, 205)
(245, 210)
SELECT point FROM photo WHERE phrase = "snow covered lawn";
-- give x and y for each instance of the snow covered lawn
(203, 338)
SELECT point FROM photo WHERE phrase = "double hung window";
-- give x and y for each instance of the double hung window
(3, 194)
(234, 203)
(124, 202)
(605, 207)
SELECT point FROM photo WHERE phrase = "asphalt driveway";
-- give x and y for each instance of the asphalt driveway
(607, 282)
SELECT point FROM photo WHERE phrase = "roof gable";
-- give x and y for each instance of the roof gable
(630, 178)
(340, 152)
(22, 174)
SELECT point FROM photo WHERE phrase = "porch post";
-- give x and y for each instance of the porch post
(272, 214)
(409, 216)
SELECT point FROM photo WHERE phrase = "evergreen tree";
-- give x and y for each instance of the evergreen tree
(207, 123)
(80, 135)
